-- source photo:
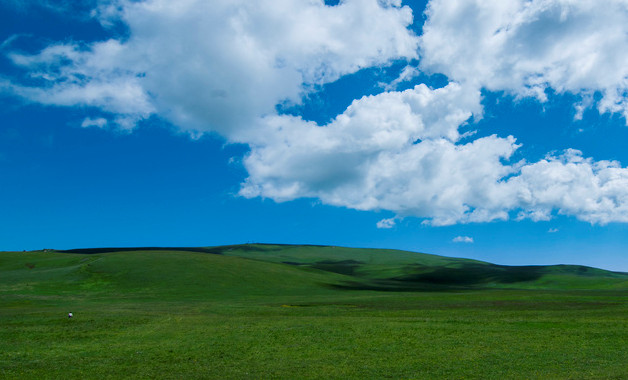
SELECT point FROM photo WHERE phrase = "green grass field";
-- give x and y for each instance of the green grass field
(270, 311)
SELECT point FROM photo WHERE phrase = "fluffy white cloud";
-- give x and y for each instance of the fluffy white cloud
(527, 46)
(223, 66)
(462, 239)
(400, 151)
(219, 65)
(386, 223)
(396, 151)
(596, 192)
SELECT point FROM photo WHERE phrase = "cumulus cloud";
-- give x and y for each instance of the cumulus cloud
(216, 66)
(400, 151)
(386, 223)
(405, 159)
(593, 191)
(526, 47)
(224, 67)
(463, 239)
(394, 151)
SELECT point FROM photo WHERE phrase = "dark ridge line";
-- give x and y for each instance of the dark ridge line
(90, 251)
(289, 245)
(214, 250)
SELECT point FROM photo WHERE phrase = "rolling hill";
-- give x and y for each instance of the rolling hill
(337, 267)
(294, 311)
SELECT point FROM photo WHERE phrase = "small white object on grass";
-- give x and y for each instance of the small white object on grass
(70, 315)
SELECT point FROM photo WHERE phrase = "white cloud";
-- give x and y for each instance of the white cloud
(525, 47)
(217, 66)
(596, 192)
(98, 122)
(407, 74)
(394, 151)
(552, 230)
(71, 76)
(400, 151)
(224, 66)
(462, 239)
(386, 223)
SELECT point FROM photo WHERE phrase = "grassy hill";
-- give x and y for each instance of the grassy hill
(287, 311)
(384, 269)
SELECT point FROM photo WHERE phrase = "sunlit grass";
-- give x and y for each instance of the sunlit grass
(197, 315)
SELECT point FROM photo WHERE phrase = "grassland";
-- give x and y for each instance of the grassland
(265, 311)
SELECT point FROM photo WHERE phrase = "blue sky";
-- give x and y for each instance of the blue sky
(494, 131)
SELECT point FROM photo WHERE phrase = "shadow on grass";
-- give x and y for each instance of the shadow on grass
(471, 274)
(347, 267)
(466, 276)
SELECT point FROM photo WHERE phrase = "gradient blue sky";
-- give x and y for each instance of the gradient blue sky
(186, 124)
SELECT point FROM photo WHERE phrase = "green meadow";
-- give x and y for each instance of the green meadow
(299, 312)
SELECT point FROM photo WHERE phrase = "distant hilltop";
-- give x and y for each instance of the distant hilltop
(393, 270)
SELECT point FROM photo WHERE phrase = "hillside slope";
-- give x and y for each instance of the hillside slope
(295, 312)
(153, 275)
(394, 270)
